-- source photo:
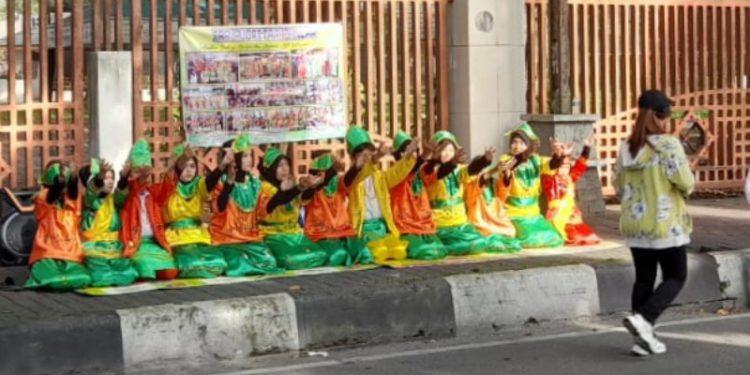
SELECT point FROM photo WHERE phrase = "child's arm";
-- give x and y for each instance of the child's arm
(581, 165)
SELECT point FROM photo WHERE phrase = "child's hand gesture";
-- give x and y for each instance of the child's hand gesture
(489, 153)
(412, 148)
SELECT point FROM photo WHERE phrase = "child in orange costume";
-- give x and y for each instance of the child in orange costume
(57, 254)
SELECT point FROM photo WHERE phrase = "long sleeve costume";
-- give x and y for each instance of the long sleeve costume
(445, 188)
(100, 230)
(234, 223)
(57, 253)
(559, 190)
(411, 210)
(327, 218)
(279, 220)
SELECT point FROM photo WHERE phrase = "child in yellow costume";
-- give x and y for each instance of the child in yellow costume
(101, 225)
(185, 195)
(446, 178)
(370, 197)
(521, 173)
(279, 212)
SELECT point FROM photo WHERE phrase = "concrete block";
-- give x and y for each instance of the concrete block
(484, 132)
(510, 16)
(511, 78)
(484, 72)
(460, 79)
(733, 275)
(495, 300)
(89, 344)
(461, 127)
(483, 22)
(458, 23)
(376, 315)
(110, 82)
(214, 330)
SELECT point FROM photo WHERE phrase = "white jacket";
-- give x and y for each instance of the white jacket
(747, 186)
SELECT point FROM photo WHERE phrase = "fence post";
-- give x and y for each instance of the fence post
(560, 57)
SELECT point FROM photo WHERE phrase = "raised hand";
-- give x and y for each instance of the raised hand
(412, 147)
(338, 164)
(461, 156)
(428, 150)
(308, 182)
(590, 141)
(231, 173)
(489, 153)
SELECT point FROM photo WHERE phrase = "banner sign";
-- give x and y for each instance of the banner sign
(278, 83)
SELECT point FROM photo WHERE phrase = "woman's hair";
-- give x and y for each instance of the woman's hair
(646, 124)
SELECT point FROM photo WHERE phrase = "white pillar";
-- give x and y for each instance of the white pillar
(110, 77)
(487, 47)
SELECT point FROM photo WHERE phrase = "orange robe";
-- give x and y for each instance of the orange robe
(57, 235)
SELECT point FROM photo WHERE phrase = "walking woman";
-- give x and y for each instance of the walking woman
(653, 179)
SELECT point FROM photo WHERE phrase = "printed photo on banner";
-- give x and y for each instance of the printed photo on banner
(212, 68)
(204, 122)
(204, 98)
(254, 66)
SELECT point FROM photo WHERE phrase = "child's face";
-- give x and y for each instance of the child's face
(247, 161)
(518, 146)
(447, 153)
(189, 172)
(282, 171)
(109, 181)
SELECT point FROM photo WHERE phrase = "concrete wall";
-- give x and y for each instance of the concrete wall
(487, 46)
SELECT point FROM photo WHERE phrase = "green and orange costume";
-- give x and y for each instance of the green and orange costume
(143, 230)
(411, 209)
(100, 229)
(522, 188)
(279, 220)
(57, 254)
(445, 188)
(234, 223)
(327, 219)
(370, 200)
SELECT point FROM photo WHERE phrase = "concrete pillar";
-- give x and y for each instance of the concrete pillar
(487, 47)
(110, 94)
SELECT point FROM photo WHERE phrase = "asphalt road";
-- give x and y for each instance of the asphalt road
(696, 345)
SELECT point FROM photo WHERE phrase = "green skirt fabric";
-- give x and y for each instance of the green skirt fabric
(294, 251)
(464, 240)
(497, 243)
(535, 232)
(58, 275)
(198, 261)
(106, 265)
(425, 247)
(252, 258)
(374, 230)
(151, 258)
(346, 251)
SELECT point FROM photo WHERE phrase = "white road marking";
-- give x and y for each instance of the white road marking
(601, 329)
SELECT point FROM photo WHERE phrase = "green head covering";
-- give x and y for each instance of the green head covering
(241, 144)
(53, 172)
(270, 157)
(179, 151)
(526, 131)
(444, 135)
(355, 137)
(400, 140)
(140, 155)
(322, 163)
(95, 167)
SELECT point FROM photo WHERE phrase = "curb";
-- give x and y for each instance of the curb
(366, 313)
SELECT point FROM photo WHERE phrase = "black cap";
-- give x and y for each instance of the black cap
(656, 101)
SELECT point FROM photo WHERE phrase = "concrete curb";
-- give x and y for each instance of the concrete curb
(501, 299)
(369, 313)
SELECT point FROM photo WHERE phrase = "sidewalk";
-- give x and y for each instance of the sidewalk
(70, 331)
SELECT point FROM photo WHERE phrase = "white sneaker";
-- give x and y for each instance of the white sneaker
(643, 332)
(638, 351)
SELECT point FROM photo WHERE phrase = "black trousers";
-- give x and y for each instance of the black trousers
(646, 300)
